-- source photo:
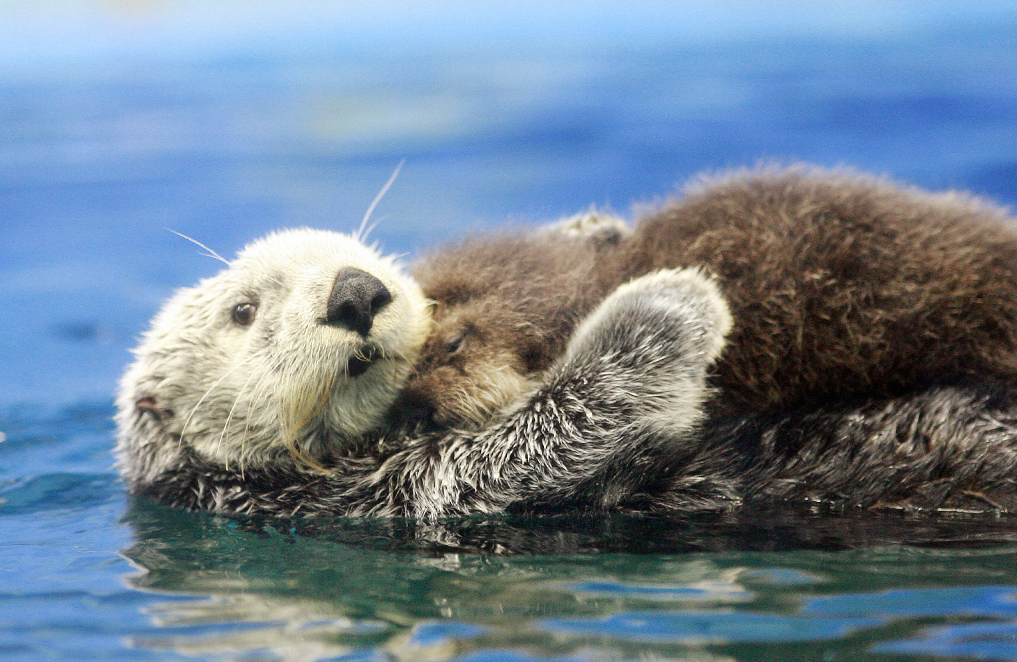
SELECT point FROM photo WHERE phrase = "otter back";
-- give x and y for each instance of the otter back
(840, 284)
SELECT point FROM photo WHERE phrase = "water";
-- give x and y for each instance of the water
(226, 120)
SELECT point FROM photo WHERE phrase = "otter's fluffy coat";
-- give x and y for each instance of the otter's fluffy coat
(621, 392)
(841, 285)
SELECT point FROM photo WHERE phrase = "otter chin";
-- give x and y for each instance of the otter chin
(293, 352)
(361, 360)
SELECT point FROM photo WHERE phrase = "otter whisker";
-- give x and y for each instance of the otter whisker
(229, 417)
(194, 409)
(211, 253)
(363, 230)
(256, 397)
(296, 420)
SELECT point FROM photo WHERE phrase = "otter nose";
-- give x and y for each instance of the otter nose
(356, 298)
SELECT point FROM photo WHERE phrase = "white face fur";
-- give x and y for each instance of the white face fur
(242, 365)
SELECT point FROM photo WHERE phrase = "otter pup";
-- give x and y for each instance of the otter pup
(840, 285)
(505, 307)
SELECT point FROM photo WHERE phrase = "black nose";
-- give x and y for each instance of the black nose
(356, 298)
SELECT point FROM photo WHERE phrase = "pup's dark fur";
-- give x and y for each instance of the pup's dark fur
(840, 285)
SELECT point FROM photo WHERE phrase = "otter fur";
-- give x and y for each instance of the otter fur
(263, 357)
(268, 389)
(841, 285)
(505, 308)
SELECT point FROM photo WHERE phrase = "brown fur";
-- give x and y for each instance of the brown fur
(839, 284)
(505, 306)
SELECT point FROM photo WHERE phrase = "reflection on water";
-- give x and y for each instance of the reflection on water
(734, 587)
(756, 585)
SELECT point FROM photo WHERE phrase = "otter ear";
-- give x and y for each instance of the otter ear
(147, 404)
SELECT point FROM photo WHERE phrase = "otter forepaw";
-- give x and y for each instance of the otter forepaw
(647, 349)
(671, 313)
(602, 229)
(693, 296)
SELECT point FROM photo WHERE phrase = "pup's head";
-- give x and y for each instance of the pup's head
(505, 306)
(300, 345)
(479, 357)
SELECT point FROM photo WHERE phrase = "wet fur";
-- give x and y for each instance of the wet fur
(840, 284)
(614, 422)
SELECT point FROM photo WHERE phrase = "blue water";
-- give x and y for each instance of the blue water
(224, 120)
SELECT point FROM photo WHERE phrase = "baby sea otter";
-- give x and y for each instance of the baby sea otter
(840, 285)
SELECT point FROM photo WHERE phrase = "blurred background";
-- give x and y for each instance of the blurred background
(120, 120)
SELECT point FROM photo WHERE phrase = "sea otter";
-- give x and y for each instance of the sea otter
(306, 330)
(841, 285)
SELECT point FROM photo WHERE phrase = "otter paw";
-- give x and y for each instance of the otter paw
(687, 299)
(662, 320)
(602, 229)
(648, 347)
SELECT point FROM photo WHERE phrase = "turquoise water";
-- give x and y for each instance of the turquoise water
(87, 575)
(225, 120)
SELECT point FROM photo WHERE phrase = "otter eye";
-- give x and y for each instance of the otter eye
(456, 343)
(243, 314)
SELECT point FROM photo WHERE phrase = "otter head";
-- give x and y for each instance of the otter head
(479, 357)
(505, 305)
(298, 347)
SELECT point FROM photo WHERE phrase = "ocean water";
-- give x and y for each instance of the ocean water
(224, 120)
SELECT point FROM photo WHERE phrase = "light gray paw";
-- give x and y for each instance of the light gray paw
(647, 350)
(670, 313)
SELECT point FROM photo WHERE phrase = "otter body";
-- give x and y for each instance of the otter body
(578, 435)
(840, 286)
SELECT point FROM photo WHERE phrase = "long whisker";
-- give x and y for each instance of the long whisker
(256, 398)
(363, 231)
(229, 417)
(247, 423)
(210, 253)
(296, 422)
(187, 421)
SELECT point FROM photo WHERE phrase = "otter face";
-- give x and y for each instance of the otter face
(505, 306)
(302, 342)
(479, 357)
